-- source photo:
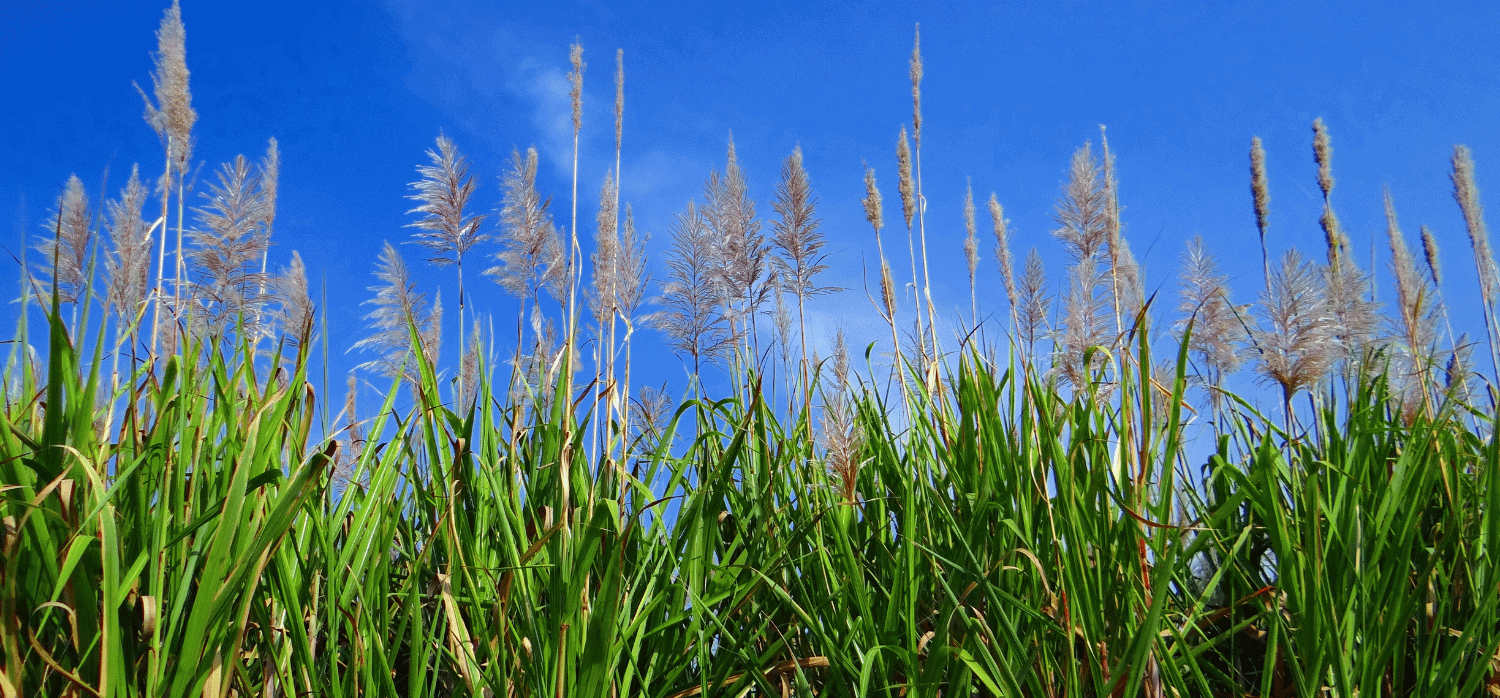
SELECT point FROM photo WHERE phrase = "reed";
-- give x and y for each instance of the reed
(971, 251)
(66, 248)
(1034, 308)
(128, 267)
(183, 527)
(1260, 196)
(295, 312)
(694, 317)
(1356, 320)
(1296, 343)
(799, 244)
(403, 325)
(743, 271)
(226, 289)
(1466, 193)
(445, 228)
(1003, 261)
(1415, 320)
(172, 117)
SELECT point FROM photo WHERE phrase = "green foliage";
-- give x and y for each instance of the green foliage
(1003, 539)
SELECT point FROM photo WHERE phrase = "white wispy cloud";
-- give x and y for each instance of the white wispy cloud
(506, 85)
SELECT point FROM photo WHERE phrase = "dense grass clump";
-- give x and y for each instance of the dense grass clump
(1013, 510)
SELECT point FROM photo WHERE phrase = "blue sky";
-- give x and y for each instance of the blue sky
(355, 92)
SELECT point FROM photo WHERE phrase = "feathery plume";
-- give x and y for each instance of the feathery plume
(1130, 289)
(295, 306)
(630, 292)
(539, 366)
(633, 277)
(1082, 215)
(227, 248)
(532, 258)
(1466, 192)
(781, 328)
(1033, 302)
(1295, 345)
(1411, 292)
(1111, 191)
(1337, 242)
(1218, 327)
(693, 316)
(650, 411)
(442, 194)
(575, 84)
(65, 247)
(1416, 320)
(872, 204)
(907, 186)
(166, 333)
(172, 115)
(468, 371)
(840, 359)
(1430, 252)
(925, 292)
(1081, 211)
(270, 181)
(1323, 155)
(1355, 320)
(1260, 195)
(744, 274)
(1002, 255)
(799, 242)
(1082, 325)
(1435, 270)
(839, 432)
(601, 298)
(1459, 370)
(908, 189)
(574, 255)
(971, 247)
(399, 310)
(348, 457)
(1126, 288)
(915, 72)
(887, 290)
(619, 98)
(874, 214)
(129, 267)
(797, 238)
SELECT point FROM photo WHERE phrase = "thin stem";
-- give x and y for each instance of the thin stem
(161, 255)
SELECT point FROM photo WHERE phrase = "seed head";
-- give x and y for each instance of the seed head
(1002, 249)
(172, 115)
(619, 96)
(971, 240)
(1430, 251)
(1323, 154)
(575, 79)
(887, 289)
(65, 242)
(1466, 192)
(129, 267)
(916, 86)
(907, 185)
